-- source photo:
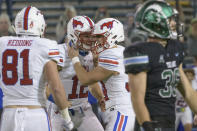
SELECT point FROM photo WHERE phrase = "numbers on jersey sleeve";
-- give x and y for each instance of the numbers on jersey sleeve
(10, 65)
(172, 78)
(74, 94)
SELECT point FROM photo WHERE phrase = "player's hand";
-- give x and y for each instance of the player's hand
(68, 104)
(95, 59)
(102, 105)
(151, 126)
(195, 120)
(71, 51)
(68, 126)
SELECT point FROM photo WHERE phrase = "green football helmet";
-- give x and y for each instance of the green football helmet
(154, 17)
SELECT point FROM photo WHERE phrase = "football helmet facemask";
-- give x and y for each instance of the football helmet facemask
(30, 21)
(154, 17)
(110, 31)
(79, 31)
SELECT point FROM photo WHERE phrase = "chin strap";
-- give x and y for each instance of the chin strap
(83, 53)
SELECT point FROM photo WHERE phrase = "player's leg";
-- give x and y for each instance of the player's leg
(24, 119)
(115, 121)
(37, 120)
(178, 119)
(55, 117)
(8, 122)
(89, 121)
(187, 119)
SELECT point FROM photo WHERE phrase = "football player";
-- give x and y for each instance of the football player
(28, 61)
(107, 34)
(152, 66)
(79, 29)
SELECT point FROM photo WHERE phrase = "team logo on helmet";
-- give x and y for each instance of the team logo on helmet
(76, 23)
(108, 25)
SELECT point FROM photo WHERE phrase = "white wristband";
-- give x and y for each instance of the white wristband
(65, 115)
(75, 60)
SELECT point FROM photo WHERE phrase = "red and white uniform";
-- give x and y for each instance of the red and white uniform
(22, 81)
(77, 94)
(119, 114)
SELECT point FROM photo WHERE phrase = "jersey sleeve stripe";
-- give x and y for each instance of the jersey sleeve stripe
(104, 64)
(108, 58)
(109, 61)
(53, 49)
(136, 60)
(54, 53)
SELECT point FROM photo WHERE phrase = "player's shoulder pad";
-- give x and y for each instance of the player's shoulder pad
(139, 50)
(176, 43)
(136, 58)
(178, 46)
(45, 44)
(111, 56)
(4, 38)
(113, 52)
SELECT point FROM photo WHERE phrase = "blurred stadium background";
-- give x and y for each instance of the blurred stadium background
(53, 9)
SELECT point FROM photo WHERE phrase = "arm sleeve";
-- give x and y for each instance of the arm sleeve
(62, 50)
(110, 60)
(136, 60)
(53, 51)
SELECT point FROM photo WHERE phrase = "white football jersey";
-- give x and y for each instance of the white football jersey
(21, 69)
(76, 93)
(117, 91)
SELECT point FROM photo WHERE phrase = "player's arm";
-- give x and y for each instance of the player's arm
(137, 84)
(57, 90)
(55, 85)
(96, 91)
(88, 78)
(195, 119)
(187, 91)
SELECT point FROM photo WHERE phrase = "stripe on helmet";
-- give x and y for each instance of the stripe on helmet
(25, 26)
(89, 21)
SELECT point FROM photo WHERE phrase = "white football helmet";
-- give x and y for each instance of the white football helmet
(79, 29)
(112, 32)
(30, 21)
